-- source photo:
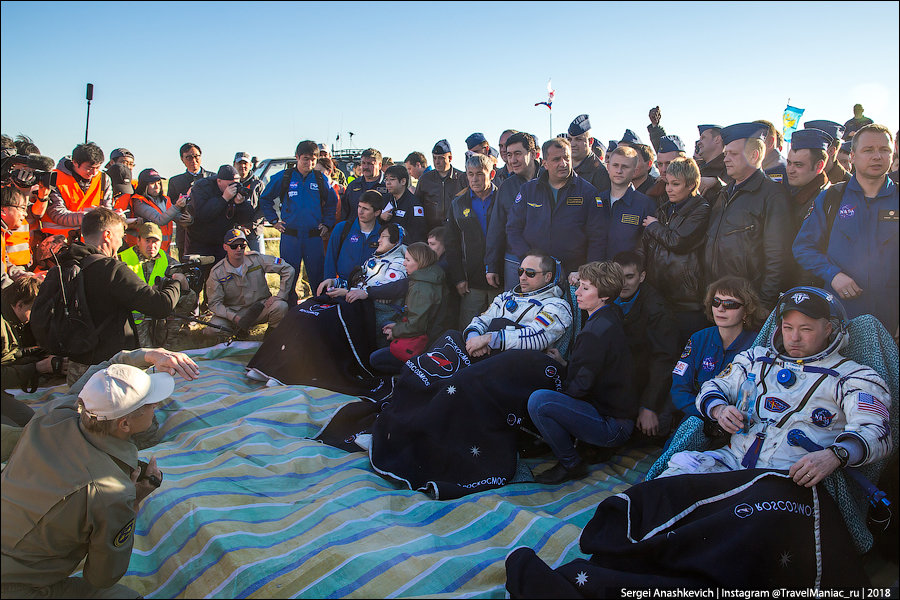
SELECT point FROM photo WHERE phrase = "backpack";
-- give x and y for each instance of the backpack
(320, 183)
(60, 318)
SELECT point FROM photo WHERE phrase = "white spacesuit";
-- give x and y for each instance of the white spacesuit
(533, 320)
(829, 398)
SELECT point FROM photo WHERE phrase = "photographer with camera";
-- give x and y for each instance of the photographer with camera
(150, 262)
(219, 203)
(80, 187)
(103, 324)
(237, 290)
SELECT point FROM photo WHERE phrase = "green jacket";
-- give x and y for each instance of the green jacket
(424, 303)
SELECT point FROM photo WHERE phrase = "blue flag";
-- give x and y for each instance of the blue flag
(792, 116)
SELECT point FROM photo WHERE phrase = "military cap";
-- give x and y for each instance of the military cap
(835, 130)
(630, 137)
(441, 147)
(613, 144)
(581, 124)
(671, 143)
(810, 139)
(494, 152)
(598, 145)
(742, 131)
(474, 140)
(702, 128)
(846, 146)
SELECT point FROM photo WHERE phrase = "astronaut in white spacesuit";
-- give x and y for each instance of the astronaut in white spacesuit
(802, 385)
(532, 316)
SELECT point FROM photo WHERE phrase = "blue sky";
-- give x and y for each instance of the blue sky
(259, 77)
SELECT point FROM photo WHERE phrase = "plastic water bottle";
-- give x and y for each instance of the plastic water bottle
(747, 400)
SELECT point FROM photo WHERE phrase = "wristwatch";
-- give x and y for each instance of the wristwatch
(841, 453)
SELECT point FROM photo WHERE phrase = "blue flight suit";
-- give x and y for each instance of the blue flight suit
(356, 249)
(301, 212)
(863, 244)
(497, 256)
(702, 359)
(573, 230)
(625, 220)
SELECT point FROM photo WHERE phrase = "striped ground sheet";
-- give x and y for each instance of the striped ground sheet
(252, 508)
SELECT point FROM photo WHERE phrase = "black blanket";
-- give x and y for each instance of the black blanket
(750, 529)
(324, 343)
(452, 425)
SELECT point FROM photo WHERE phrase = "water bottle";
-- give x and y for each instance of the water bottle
(747, 400)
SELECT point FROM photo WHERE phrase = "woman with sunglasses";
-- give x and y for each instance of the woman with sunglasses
(734, 307)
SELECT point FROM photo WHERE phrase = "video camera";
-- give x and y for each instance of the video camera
(26, 170)
(191, 268)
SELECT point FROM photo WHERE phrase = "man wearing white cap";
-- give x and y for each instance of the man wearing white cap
(73, 486)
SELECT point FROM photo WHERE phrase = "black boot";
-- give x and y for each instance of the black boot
(560, 474)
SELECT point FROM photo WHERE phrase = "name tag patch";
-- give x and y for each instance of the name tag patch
(574, 201)
(888, 215)
(631, 219)
(254, 268)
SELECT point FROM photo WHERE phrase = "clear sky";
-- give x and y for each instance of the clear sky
(259, 77)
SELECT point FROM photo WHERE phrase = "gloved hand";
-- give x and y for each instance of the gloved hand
(247, 317)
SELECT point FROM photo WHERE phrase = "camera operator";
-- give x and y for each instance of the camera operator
(254, 228)
(113, 290)
(218, 206)
(237, 290)
(33, 176)
(80, 187)
(149, 262)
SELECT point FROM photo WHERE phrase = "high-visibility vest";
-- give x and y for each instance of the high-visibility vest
(130, 257)
(18, 248)
(75, 198)
(165, 229)
(123, 202)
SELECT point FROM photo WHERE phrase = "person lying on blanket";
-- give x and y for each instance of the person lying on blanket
(73, 485)
(598, 404)
(532, 316)
(804, 389)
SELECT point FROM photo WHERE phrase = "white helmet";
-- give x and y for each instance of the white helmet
(817, 303)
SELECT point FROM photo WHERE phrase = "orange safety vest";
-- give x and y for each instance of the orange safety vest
(165, 229)
(75, 198)
(17, 246)
(123, 203)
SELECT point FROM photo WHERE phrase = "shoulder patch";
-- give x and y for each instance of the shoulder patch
(599, 201)
(680, 368)
(124, 534)
(518, 198)
(725, 372)
(687, 350)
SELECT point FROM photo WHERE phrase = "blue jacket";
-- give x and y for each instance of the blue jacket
(302, 208)
(863, 244)
(573, 231)
(355, 190)
(356, 249)
(495, 248)
(702, 359)
(625, 220)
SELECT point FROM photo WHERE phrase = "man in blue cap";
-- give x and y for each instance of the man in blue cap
(835, 172)
(806, 170)
(643, 180)
(478, 143)
(712, 167)
(599, 150)
(436, 188)
(750, 228)
(850, 241)
(843, 156)
(670, 148)
(586, 163)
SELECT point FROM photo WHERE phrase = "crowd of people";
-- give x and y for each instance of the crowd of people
(675, 259)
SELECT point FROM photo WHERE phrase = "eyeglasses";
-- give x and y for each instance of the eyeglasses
(191, 157)
(530, 273)
(236, 246)
(727, 304)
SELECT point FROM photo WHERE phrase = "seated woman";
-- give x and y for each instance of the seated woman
(381, 278)
(149, 203)
(734, 307)
(421, 318)
(597, 404)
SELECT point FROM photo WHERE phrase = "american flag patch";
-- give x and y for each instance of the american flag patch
(870, 403)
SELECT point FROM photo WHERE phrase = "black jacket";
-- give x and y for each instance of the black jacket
(437, 192)
(715, 168)
(750, 236)
(600, 366)
(674, 249)
(409, 214)
(465, 242)
(113, 291)
(180, 184)
(354, 192)
(593, 170)
(213, 215)
(653, 342)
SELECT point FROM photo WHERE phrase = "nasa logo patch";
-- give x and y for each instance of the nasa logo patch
(354, 238)
(776, 405)
(846, 212)
(821, 417)
(709, 363)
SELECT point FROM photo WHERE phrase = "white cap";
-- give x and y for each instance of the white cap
(121, 389)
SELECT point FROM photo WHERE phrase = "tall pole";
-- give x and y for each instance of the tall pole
(89, 94)
(551, 124)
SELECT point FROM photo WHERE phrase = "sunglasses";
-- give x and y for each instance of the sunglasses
(727, 304)
(236, 246)
(530, 273)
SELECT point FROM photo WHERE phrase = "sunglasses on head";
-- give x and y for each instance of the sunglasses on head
(530, 273)
(727, 304)
(236, 246)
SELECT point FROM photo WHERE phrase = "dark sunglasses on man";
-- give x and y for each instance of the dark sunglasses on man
(236, 246)
(529, 273)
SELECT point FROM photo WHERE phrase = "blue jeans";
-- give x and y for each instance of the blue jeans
(559, 418)
(384, 362)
